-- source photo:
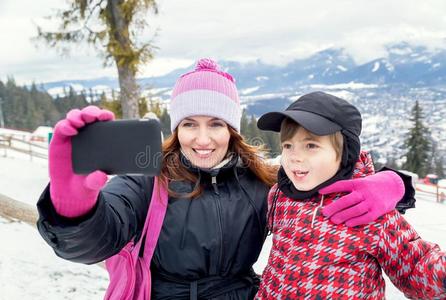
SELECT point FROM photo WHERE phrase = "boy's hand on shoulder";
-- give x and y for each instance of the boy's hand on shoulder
(369, 198)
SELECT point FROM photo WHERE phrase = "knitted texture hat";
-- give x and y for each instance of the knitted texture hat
(206, 91)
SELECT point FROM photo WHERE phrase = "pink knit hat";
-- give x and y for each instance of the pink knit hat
(206, 91)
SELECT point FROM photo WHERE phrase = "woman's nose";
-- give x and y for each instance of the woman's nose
(203, 137)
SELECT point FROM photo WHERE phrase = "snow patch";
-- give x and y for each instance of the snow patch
(375, 66)
(57, 91)
(262, 78)
(248, 91)
(389, 66)
(351, 85)
(401, 51)
(342, 68)
(423, 59)
(62, 91)
(245, 99)
(101, 88)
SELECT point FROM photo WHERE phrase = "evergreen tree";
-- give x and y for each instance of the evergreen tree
(26, 108)
(165, 123)
(111, 104)
(417, 144)
(71, 101)
(254, 136)
(115, 105)
(244, 123)
(253, 133)
(153, 106)
(272, 142)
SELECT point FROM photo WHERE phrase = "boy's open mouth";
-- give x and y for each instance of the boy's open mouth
(300, 174)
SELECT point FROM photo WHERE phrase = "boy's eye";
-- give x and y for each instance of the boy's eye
(286, 146)
(312, 146)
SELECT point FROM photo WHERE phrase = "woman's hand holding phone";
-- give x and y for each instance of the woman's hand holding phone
(73, 195)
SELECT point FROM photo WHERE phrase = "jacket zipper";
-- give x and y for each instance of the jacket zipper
(220, 257)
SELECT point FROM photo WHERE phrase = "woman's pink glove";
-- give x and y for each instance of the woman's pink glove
(369, 198)
(73, 195)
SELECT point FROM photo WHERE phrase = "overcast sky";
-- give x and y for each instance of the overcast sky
(273, 31)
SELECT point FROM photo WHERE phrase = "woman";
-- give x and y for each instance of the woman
(215, 223)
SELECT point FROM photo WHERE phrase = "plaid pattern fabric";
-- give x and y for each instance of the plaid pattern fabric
(329, 261)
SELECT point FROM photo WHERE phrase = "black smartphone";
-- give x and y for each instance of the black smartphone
(118, 147)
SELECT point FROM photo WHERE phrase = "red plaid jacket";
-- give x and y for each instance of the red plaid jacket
(329, 261)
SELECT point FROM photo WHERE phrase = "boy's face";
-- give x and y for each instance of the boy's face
(309, 160)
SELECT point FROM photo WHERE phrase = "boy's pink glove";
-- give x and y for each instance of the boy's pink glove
(368, 199)
(73, 195)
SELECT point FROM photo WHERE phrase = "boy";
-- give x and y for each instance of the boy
(313, 258)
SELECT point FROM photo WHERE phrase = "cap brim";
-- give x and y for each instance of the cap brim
(310, 121)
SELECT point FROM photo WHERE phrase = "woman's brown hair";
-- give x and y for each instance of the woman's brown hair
(173, 169)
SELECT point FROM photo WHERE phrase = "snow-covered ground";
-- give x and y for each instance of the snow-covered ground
(30, 270)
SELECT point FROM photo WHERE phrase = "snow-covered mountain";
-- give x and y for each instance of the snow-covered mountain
(384, 89)
(405, 64)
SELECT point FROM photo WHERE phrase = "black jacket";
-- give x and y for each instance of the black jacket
(206, 247)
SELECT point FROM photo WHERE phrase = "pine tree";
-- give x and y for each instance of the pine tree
(254, 136)
(272, 142)
(165, 123)
(111, 104)
(417, 144)
(26, 108)
(253, 133)
(244, 124)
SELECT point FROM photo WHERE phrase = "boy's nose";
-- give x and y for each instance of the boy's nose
(296, 157)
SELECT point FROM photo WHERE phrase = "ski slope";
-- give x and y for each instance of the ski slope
(30, 270)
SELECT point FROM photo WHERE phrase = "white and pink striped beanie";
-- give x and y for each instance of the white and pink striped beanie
(206, 91)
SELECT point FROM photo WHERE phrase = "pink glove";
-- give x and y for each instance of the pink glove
(369, 198)
(73, 195)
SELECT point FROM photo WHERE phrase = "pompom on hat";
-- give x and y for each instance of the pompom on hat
(206, 91)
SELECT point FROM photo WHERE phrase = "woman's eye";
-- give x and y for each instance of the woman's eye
(188, 124)
(286, 146)
(217, 124)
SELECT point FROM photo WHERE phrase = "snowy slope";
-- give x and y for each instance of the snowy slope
(30, 270)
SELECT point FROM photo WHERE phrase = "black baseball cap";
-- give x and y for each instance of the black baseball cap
(318, 112)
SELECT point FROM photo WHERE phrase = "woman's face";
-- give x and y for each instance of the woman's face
(204, 140)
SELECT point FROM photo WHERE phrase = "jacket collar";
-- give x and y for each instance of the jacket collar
(227, 165)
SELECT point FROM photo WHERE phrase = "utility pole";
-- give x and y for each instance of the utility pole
(2, 121)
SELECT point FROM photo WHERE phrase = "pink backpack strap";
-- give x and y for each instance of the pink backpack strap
(154, 219)
(129, 270)
(153, 222)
